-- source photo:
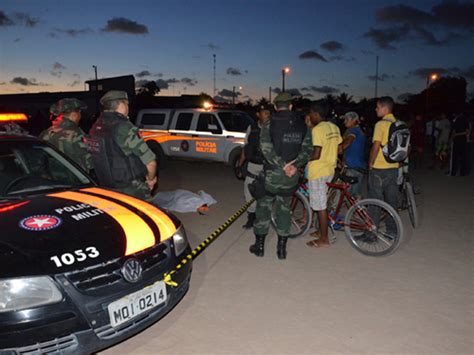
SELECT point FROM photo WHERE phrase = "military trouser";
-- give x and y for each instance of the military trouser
(264, 215)
(138, 189)
(254, 170)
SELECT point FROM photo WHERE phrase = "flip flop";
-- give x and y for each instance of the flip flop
(316, 235)
(315, 244)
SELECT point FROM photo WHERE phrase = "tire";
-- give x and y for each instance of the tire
(367, 238)
(411, 204)
(158, 151)
(299, 207)
(234, 158)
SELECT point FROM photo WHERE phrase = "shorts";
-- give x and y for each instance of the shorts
(318, 193)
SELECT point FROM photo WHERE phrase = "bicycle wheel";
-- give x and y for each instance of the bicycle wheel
(411, 204)
(370, 238)
(301, 216)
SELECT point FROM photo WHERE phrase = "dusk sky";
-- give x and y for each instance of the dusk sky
(330, 46)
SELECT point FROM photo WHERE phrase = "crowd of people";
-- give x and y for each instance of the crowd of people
(280, 148)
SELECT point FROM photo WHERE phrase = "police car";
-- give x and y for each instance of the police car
(206, 133)
(81, 267)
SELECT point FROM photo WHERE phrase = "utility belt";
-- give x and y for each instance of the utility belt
(258, 188)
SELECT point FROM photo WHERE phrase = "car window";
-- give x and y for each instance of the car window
(235, 121)
(208, 123)
(153, 119)
(30, 166)
(183, 122)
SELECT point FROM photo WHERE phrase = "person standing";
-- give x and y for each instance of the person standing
(66, 135)
(285, 144)
(443, 127)
(252, 154)
(383, 175)
(353, 146)
(122, 160)
(326, 138)
(459, 134)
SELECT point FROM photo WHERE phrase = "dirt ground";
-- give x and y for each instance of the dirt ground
(419, 300)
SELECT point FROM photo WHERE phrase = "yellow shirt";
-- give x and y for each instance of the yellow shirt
(327, 136)
(381, 130)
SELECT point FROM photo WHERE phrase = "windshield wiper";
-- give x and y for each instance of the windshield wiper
(43, 188)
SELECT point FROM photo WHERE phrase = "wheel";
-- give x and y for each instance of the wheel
(301, 215)
(411, 204)
(160, 155)
(234, 163)
(368, 237)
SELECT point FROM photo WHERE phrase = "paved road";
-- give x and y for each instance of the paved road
(419, 300)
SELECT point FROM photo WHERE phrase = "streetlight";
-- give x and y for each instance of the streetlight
(430, 78)
(233, 94)
(284, 71)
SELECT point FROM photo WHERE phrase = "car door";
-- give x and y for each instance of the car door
(209, 140)
(181, 134)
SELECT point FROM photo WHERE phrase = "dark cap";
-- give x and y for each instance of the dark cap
(264, 107)
(282, 97)
(114, 95)
(67, 105)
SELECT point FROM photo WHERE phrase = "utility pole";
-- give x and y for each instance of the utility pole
(233, 95)
(270, 94)
(214, 74)
(96, 90)
(376, 76)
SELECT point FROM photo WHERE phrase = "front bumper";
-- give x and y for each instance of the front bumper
(80, 323)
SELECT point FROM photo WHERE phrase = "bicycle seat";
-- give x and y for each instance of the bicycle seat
(348, 179)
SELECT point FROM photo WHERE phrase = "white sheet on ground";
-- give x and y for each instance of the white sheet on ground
(182, 200)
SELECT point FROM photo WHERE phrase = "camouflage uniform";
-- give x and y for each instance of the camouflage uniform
(129, 141)
(123, 135)
(68, 137)
(276, 181)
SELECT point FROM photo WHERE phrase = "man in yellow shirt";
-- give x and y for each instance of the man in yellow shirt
(326, 139)
(382, 174)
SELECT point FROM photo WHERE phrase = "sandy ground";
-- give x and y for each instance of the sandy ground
(419, 300)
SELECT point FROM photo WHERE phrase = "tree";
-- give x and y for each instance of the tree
(344, 99)
(263, 102)
(149, 89)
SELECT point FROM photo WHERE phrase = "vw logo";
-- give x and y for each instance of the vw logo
(132, 270)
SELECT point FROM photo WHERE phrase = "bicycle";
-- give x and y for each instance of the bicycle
(407, 197)
(359, 223)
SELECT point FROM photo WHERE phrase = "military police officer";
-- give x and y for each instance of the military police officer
(254, 158)
(286, 146)
(67, 136)
(122, 160)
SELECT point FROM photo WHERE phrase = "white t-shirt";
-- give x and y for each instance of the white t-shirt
(444, 127)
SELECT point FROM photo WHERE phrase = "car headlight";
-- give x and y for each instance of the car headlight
(22, 293)
(180, 241)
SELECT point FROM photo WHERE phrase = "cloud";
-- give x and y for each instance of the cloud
(26, 20)
(228, 93)
(467, 73)
(335, 58)
(321, 89)
(221, 99)
(71, 32)
(26, 82)
(189, 81)
(384, 38)
(424, 72)
(211, 45)
(332, 46)
(312, 55)
(308, 95)
(5, 20)
(233, 71)
(292, 92)
(404, 97)
(382, 77)
(57, 70)
(422, 25)
(164, 84)
(76, 81)
(124, 25)
(17, 40)
(142, 74)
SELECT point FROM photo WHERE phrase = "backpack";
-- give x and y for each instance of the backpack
(396, 149)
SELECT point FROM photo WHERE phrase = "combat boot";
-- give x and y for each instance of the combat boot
(281, 247)
(250, 220)
(258, 247)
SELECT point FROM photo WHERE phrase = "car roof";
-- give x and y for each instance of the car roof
(19, 137)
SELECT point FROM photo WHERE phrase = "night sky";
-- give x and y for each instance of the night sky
(330, 46)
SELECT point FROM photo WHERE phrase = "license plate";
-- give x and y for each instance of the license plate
(136, 303)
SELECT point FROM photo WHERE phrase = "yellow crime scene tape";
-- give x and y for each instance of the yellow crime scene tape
(205, 243)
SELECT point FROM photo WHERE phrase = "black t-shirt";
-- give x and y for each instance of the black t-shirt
(460, 125)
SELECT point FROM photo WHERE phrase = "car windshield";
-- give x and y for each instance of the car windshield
(235, 121)
(29, 167)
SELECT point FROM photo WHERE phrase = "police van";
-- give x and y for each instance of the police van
(194, 133)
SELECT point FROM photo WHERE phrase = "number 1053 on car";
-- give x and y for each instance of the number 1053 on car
(136, 303)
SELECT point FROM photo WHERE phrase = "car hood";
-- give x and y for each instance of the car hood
(36, 233)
